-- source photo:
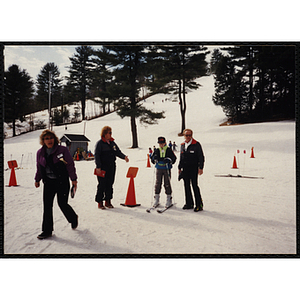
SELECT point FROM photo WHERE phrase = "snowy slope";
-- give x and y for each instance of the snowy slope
(241, 216)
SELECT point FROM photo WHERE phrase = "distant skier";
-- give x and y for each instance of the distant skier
(150, 152)
(190, 166)
(163, 157)
(170, 145)
(174, 147)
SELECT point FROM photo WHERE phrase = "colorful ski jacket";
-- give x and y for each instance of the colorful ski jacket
(191, 157)
(60, 161)
(163, 158)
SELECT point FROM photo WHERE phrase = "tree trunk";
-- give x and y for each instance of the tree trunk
(250, 81)
(83, 109)
(133, 132)
(14, 127)
(83, 97)
(182, 105)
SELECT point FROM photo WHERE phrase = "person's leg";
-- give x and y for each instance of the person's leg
(108, 190)
(48, 197)
(188, 193)
(158, 182)
(196, 190)
(100, 189)
(167, 182)
(62, 200)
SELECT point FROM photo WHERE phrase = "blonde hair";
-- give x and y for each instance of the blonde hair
(51, 133)
(185, 130)
(105, 130)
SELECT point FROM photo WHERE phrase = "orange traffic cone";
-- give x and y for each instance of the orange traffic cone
(130, 197)
(252, 153)
(148, 161)
(12, 180)
(77, 157)
(234, 166)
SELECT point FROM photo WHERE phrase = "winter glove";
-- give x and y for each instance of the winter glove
(180, 176)
(154, 159)
(168, 160)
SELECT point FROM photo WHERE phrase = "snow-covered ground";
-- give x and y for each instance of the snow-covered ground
(241, 216)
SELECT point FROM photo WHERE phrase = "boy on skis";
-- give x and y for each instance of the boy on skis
(163, 157)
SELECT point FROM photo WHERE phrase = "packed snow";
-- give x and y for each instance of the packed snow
(241, 215)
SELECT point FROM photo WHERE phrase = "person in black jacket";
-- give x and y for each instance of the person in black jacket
(106, 152)
(190, 166)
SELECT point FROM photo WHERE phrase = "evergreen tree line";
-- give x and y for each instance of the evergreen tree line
(252, 83)
(255, 83)
(111, 75)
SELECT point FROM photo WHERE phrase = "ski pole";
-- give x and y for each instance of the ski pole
(244, 161)
(21, 161)
(152, 187)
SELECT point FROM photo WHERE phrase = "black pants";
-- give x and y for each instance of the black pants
(53, 187)
(105, 185)
(190, 177)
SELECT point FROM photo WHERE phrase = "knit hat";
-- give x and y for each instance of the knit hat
(161, 140)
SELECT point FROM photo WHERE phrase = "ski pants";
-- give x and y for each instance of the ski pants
(162, 174)
(190, 177)
(105, 185)
(54, 187)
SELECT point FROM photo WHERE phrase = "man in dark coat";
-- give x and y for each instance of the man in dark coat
(190, 166)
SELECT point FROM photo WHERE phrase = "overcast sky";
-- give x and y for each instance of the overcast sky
(33, 58)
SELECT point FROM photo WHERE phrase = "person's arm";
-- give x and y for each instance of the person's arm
(70, 165)
(119, 153)
(38, 175)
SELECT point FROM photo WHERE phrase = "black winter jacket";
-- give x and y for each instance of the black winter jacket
(191, 157)
(105, 154)
(161, 162)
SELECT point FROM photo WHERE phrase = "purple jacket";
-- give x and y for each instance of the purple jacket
(61, 157)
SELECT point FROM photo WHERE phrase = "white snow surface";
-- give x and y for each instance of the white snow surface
(241, 216)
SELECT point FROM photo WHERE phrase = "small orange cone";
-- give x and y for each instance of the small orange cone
(148, 161)
(77, 158)
(234, 166)
(252, 153)
(130, 197)
(12, 180)
(12, 164)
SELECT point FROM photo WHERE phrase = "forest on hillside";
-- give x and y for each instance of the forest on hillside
(255, 83)
(252, 83)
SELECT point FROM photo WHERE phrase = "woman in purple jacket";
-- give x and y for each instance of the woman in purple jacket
(55, 166)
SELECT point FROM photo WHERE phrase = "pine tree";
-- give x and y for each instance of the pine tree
(215, 59)
(102, 78)
(80, 78)
(131, 62)
(49, 74)
(229, 89)
(256, 83)
(18, 92)
(177, 68)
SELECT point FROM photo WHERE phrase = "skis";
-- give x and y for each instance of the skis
(164, 209)
(148, 210)
(240, 176)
